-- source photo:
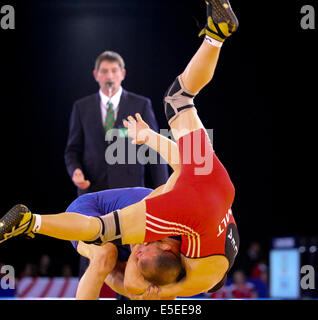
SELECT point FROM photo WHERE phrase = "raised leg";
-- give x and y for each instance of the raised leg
(70, 226)
(198, 73)
(178, 100)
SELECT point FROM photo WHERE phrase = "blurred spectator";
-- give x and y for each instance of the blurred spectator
(223, 293)
(45, 269)
(249, 259)
(260, 271)
(30, 270)
(240, 288)
(67, 271)
(254, 252)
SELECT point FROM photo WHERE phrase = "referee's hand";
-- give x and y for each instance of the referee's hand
(79, 179)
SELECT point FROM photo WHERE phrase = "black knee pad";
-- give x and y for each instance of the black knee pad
(176, 100)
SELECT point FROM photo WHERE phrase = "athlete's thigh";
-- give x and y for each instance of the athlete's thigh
(187, 121)
(87, 205)
(133, 223)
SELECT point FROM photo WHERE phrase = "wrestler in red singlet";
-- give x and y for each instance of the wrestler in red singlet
(199, 206)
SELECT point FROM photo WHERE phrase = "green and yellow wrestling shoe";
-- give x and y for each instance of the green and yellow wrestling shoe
(17, 221)
(222, 21)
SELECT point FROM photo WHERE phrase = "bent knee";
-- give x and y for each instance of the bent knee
(176, 100)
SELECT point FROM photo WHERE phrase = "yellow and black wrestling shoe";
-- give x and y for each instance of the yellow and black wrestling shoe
(222, 21)
(17, 221)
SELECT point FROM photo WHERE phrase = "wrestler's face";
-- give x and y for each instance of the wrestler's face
(149, 250)
(109, 72)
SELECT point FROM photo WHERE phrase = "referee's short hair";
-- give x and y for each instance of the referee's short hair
(109, 56)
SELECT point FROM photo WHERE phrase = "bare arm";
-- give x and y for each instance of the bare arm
(115, 279)
(167, 148)
(140, 132)
(127, 280)
(134, 281)
(201, 275)
(102, 262)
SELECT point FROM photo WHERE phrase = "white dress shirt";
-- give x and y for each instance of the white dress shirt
(115, 101)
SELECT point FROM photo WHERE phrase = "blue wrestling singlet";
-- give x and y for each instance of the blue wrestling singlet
(103, 202)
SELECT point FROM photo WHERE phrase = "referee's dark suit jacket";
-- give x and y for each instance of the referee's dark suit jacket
(86, 145)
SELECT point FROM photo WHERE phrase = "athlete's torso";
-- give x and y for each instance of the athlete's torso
(212, 197)
(199, 206)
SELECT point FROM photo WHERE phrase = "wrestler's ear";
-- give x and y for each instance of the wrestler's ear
(165, 246)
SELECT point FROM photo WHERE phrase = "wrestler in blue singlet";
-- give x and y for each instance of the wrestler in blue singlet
(103, 202)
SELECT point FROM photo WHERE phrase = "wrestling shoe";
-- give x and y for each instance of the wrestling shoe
(222, 21)
(17, 221)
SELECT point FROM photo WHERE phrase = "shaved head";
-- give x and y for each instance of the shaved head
(162, 269)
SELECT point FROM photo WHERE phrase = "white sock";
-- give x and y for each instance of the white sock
(213, 42)
(37, 223)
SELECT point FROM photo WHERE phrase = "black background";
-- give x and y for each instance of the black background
(260, 104)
